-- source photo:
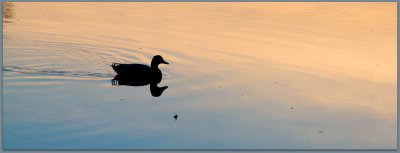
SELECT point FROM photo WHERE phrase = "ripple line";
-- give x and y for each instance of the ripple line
(79, 74)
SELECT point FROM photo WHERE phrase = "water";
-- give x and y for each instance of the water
(241, 75)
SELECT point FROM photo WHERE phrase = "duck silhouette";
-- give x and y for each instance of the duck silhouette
(140, 75)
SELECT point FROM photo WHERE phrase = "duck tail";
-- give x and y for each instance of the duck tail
(116, 67)
(115, 64)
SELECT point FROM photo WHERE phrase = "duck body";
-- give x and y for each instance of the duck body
(137, 74)
(130, 69)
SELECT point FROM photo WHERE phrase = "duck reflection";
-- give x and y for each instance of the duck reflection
(127, 81)
(140, 75)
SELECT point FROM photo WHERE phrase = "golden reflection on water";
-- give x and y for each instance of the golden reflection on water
(328, 56)
(8, 12)
(343, 39)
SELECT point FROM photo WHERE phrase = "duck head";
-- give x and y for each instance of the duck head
(156, 91)
(157, 60)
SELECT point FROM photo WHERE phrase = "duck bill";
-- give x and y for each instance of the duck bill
(165, 62)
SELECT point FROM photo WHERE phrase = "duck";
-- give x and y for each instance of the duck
(140, 73)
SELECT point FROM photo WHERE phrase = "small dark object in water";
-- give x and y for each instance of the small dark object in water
(291, 107)
(320, 131)
(176, 116)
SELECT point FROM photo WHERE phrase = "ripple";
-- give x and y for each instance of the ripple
(62, 57)
(79, 74)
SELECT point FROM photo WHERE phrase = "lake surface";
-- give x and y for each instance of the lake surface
(241, 75)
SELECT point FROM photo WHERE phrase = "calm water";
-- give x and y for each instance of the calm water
(241, 75)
